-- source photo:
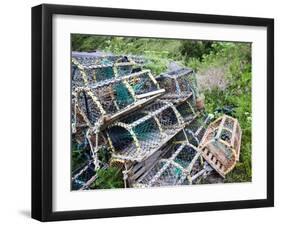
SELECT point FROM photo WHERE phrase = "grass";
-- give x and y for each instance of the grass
(235, 58)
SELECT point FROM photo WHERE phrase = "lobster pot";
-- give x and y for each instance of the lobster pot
(107, 70)
(144, 83)
(135, 170)
(118, 163)
(89, 58)
(98, 73)
(196, 129)
(96, 139)
(88, 71)
(78, 76)
(140, 168)
(221, 144)
(114, 95)
(170, 174)
(177, 167)
(186, 110)
(83, 160)
(142, 133)
(124, 66)
(179, 84)
(79, 136)
(77, 119)
(101, 58)
(88, 106)
(82, 175)
(139, 60)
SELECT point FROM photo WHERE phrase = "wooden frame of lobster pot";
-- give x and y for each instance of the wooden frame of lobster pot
(220, 145)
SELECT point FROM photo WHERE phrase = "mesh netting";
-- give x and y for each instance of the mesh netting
(197, 128)
(90, 70)
(152, 138)
(177, 167)
(114, 95)
(221, 144)
(144, 83)
(179, 84)
(82, 175)
(88, 106)
(144, 132)
(77, 78)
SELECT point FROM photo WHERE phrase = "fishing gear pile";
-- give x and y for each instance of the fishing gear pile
(152, 128)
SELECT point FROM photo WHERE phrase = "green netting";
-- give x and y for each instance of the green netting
(177, 171)
(123, 96)
(138, 86)
(185, 157)
(147, 130)
(120, 137)
(143, 85)
(124, 70)
(103, 73)
(185, 110)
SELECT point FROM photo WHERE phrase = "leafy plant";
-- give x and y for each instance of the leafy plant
(104, 155)
(108, 178)
(237, 59)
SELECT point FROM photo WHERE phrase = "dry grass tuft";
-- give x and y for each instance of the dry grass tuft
(212, 78)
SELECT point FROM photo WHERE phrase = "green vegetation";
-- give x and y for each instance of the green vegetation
(224, 77)
(78, 155)
(111, 177)
(235, 59)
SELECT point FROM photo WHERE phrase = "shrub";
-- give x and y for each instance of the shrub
(108, 178)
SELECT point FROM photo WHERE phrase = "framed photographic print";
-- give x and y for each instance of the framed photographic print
(146, 112)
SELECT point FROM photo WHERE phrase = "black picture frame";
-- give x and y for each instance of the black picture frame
(42, 111)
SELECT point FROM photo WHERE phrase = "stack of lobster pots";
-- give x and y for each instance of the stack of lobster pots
(153, 128)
